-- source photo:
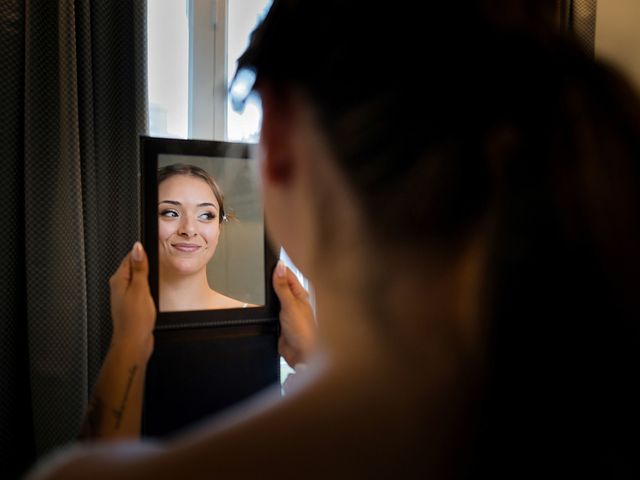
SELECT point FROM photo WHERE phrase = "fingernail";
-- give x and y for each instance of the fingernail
(137, 252)
(281, 269)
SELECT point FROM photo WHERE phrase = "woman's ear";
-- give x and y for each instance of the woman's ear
(275, 136)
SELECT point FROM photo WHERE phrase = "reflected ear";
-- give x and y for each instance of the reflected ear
(275, 136)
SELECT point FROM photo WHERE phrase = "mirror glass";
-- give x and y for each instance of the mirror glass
(210, 233)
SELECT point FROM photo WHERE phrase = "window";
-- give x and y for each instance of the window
(242, 19)
(168, 68)
(193, 46)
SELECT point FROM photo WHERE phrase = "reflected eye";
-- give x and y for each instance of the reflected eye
(169, 213)
(207, 216)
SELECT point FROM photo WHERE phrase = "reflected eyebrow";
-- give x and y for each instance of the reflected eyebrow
(207, 204)
(178, 204)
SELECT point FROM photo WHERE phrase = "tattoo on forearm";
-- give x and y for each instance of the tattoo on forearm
(117, 413)
(91, 425)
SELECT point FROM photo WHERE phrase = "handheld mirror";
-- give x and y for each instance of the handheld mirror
(204, 232)
(210, 267)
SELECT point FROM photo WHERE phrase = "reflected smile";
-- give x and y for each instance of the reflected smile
(186, 247)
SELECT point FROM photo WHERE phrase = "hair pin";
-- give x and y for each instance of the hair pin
(241, 87)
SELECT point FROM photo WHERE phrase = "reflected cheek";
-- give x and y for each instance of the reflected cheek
(165, 231)
(210, 235)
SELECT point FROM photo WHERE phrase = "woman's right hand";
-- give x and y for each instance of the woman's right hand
(298, 327)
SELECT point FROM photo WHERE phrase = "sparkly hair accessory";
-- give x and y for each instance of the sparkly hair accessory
(241, 87)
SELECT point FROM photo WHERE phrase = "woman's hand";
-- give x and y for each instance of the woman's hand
(132, 309)
(298, 327)
(115, 407)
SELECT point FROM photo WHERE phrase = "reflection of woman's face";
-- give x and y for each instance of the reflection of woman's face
(188, 224)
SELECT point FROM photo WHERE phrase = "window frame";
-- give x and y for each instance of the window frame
(208, 74)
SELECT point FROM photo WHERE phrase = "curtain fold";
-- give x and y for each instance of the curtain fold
(16, 428)
(54, 239)
(73, 105)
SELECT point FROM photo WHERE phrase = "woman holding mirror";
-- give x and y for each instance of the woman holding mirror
(190, 218)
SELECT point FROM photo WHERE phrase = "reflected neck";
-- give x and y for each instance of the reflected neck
(184, 292)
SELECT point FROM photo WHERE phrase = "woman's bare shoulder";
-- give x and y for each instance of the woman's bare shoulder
(345, 408)
(223, 301)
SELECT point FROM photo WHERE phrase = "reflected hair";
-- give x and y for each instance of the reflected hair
(192, 171)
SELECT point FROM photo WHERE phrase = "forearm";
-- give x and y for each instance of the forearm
(115, 407)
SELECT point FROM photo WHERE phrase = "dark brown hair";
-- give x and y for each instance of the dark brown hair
(193, 171)
(444, 120)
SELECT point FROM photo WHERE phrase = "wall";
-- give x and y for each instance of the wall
(618, 35)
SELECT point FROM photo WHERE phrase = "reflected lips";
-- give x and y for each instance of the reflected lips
(186, 247)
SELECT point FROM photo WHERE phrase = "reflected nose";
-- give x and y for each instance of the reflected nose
(186, 228)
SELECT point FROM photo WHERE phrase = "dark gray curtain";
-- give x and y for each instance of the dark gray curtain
(578, 18)
(72, 103)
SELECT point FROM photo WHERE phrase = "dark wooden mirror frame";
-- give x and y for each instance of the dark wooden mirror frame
(150, 149)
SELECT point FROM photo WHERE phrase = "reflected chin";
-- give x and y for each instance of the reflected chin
(183, 266)
(182, 263)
